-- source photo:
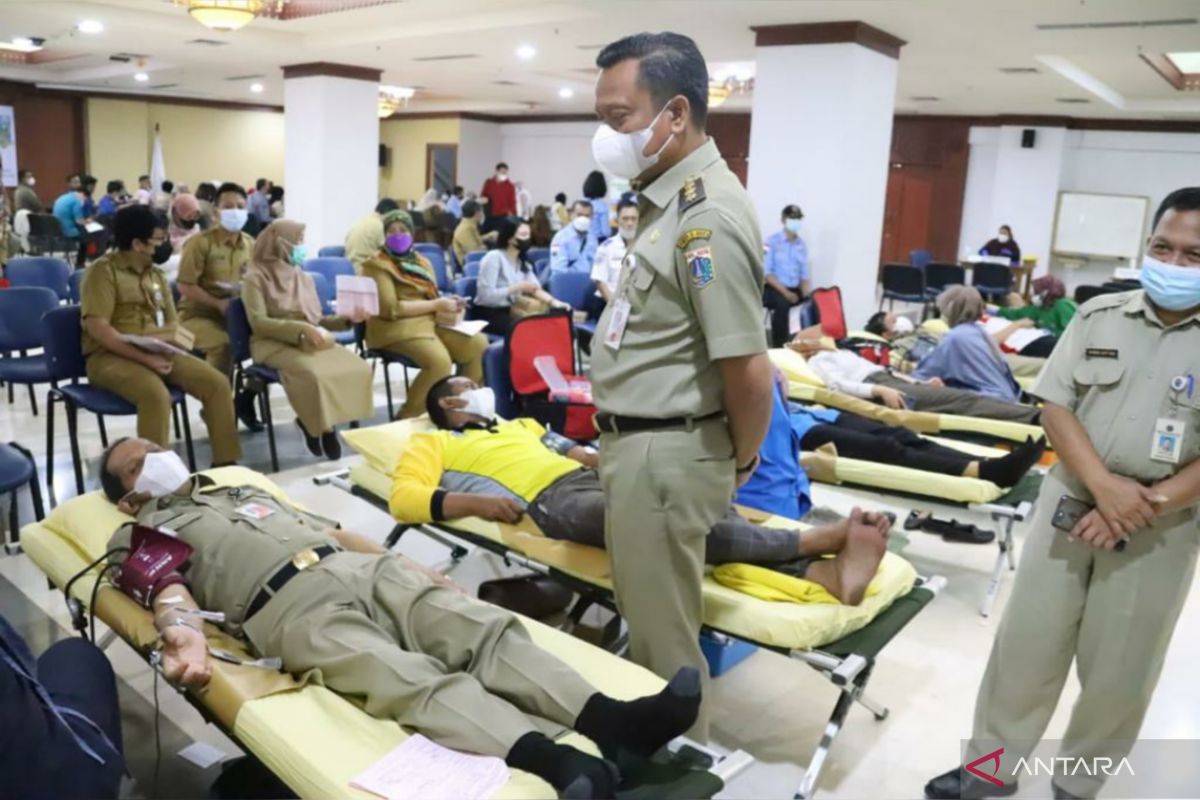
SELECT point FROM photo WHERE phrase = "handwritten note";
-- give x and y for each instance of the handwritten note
(422, 770)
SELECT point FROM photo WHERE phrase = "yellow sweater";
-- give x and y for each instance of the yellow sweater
(510, 462)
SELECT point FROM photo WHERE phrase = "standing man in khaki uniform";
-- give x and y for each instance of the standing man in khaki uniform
(375, 626)
(679, 367)
(210, 275)
(125, 294)
(1123, 414)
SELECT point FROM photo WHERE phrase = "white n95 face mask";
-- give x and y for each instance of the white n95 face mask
(621, 154)
(904, 325)
(162, 473)
(233, 219)
(481, 402)
(582, 224)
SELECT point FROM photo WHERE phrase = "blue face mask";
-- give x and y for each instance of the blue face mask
(299, 254)
(1170, 287)
(793, 225)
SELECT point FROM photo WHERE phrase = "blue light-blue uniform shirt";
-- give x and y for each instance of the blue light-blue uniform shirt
(779, 485)
(454, 206)
(787, 259)
(572, 251)
(966, 358)
(601, 227)
(805, 418)
(69, 208)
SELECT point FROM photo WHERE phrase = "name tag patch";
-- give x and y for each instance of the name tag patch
(255, 511)
(700, 265)
(1168, 440)
(1101, 352)
(690, 236)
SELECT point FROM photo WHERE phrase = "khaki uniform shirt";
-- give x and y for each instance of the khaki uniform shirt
(694, 280)
(215, 267)
(364, 240)
(129, 296)
(467, 239)
(390, 326)
(1113, 368)
(234, 553)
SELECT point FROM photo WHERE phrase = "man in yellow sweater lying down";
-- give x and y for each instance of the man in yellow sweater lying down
(475, 465)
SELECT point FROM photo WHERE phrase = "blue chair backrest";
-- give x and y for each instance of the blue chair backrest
(73, 284)
(62, 339)
(21, 310)
(536, 254)
(997, 277)
(541, 268)
(919, 258)
(474, 256)
(325, 291)
(496, 377)
(939, 276)
(436, 257)
(237, 325)
(903, 279)
(330, 267)
(466, 287)
(471, 269)
(571, 287)
(50, 273)
(332, 250)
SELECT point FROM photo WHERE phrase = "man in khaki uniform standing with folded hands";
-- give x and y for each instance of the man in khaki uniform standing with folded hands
(679, 367)
(1123, 414)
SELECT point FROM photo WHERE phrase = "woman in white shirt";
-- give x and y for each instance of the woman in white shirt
(507, 282)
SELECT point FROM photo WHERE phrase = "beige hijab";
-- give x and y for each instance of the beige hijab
(288, 290)
(960, 304)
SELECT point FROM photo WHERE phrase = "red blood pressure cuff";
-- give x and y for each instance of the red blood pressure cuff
(156, 560)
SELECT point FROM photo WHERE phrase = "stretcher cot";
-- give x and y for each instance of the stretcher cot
(313, 739)
(840, 642)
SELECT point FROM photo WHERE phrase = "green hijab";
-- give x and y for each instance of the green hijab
(411, 262)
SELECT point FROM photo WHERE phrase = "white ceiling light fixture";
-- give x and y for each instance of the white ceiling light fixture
(724, 80)
(23, 44)
(227, 15)
(257, 88)
(393, 98)
(566, 93)
(90, 27)
(526, 52)
(141, 77)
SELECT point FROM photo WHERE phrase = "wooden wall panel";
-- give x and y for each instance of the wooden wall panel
(50, 134)
(938, 148)
(731, 132)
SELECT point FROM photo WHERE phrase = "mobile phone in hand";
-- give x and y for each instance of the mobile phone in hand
(1068, 513)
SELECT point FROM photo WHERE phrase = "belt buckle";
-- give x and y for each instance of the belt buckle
(305, 559)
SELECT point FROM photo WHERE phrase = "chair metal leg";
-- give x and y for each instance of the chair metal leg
(50, 446)
(32, 398)
(387, 386)
(175, 418)
(73, 432)
(35, 489)
(14, 532)
(264, 402)
(103, 431)
(187, 435)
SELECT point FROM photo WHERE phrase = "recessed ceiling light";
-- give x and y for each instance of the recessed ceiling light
(91, 26)
(257, 88)
(566, 93)
(23, 41)
(526, 52)
(141, 77)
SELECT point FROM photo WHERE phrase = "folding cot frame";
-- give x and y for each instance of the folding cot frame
(846, 663)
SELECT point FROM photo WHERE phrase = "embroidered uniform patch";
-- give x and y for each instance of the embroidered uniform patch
(700, 265)
(691, 236)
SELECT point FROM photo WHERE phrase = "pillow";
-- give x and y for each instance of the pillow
(382, 445)
(794, 367)
(935, 327)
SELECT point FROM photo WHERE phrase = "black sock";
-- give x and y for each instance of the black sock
(573, 773)
(1007, 470)
(640, 727)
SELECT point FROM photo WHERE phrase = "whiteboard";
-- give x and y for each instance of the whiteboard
(1101, 225)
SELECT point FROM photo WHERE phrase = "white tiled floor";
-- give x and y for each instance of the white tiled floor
(770, 706)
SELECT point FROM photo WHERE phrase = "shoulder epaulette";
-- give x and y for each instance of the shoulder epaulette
(692, 193)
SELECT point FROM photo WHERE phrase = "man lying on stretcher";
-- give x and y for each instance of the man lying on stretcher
(377, 627)
(478, 466)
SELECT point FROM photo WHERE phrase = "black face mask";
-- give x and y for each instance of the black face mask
(186, 224)
(523, 245)
(162, 253)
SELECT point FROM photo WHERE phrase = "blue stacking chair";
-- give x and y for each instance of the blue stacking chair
(436, 256)
(74, 283)
(17, 469)
(994, 281)
(902, 282)
(330, 267)
(536, 254)
(327, 294)
(21, 310)
(62, 341)
(253, 378)
(49, 273)
(572, 288)
(471, 266)
(334, 250)
(495, 376)
(541, 268)
(939, 276)
(919, 258)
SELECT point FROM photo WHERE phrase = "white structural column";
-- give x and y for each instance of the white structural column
(331, 150)
(820, 137)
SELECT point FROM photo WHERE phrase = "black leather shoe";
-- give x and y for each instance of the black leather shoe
(956, 784)
(311, 442)
(243, 404)
(331, 445)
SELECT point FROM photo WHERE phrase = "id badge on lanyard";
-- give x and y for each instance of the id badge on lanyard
(1167, 442)
(159, 317)
(621, 307)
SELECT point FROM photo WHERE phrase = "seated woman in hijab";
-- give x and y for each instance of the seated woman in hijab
(1050, 311)
(325, 383)
(408, 309)
(967, 357)
(184, 220)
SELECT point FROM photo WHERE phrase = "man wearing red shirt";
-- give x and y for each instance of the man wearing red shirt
(500, 194)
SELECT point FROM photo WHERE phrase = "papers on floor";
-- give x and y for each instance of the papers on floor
(202, 755)
(467, 327)
(422, 770)
(357, 296)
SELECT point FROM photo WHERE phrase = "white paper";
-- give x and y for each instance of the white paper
(357, 295)
(152, 345)
(93, 227)
(468, 327)
(202, 755)
(1018, 339)
(422, 770)
(794, 319)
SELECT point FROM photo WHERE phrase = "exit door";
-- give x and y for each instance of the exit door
(908, 212)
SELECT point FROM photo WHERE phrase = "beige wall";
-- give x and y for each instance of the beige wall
(198, 143)
(404, 177)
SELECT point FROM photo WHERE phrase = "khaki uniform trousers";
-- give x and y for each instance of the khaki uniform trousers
(325, 387)
(146, 389)
(436, 356)
(945, 400)
(1112, 613)
(462, 672)
(213, 341)
(663, 492)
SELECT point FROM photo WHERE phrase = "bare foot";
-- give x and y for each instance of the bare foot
(848, 575)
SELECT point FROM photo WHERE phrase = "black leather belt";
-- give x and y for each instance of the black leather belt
(300, 562)
(614, 423)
